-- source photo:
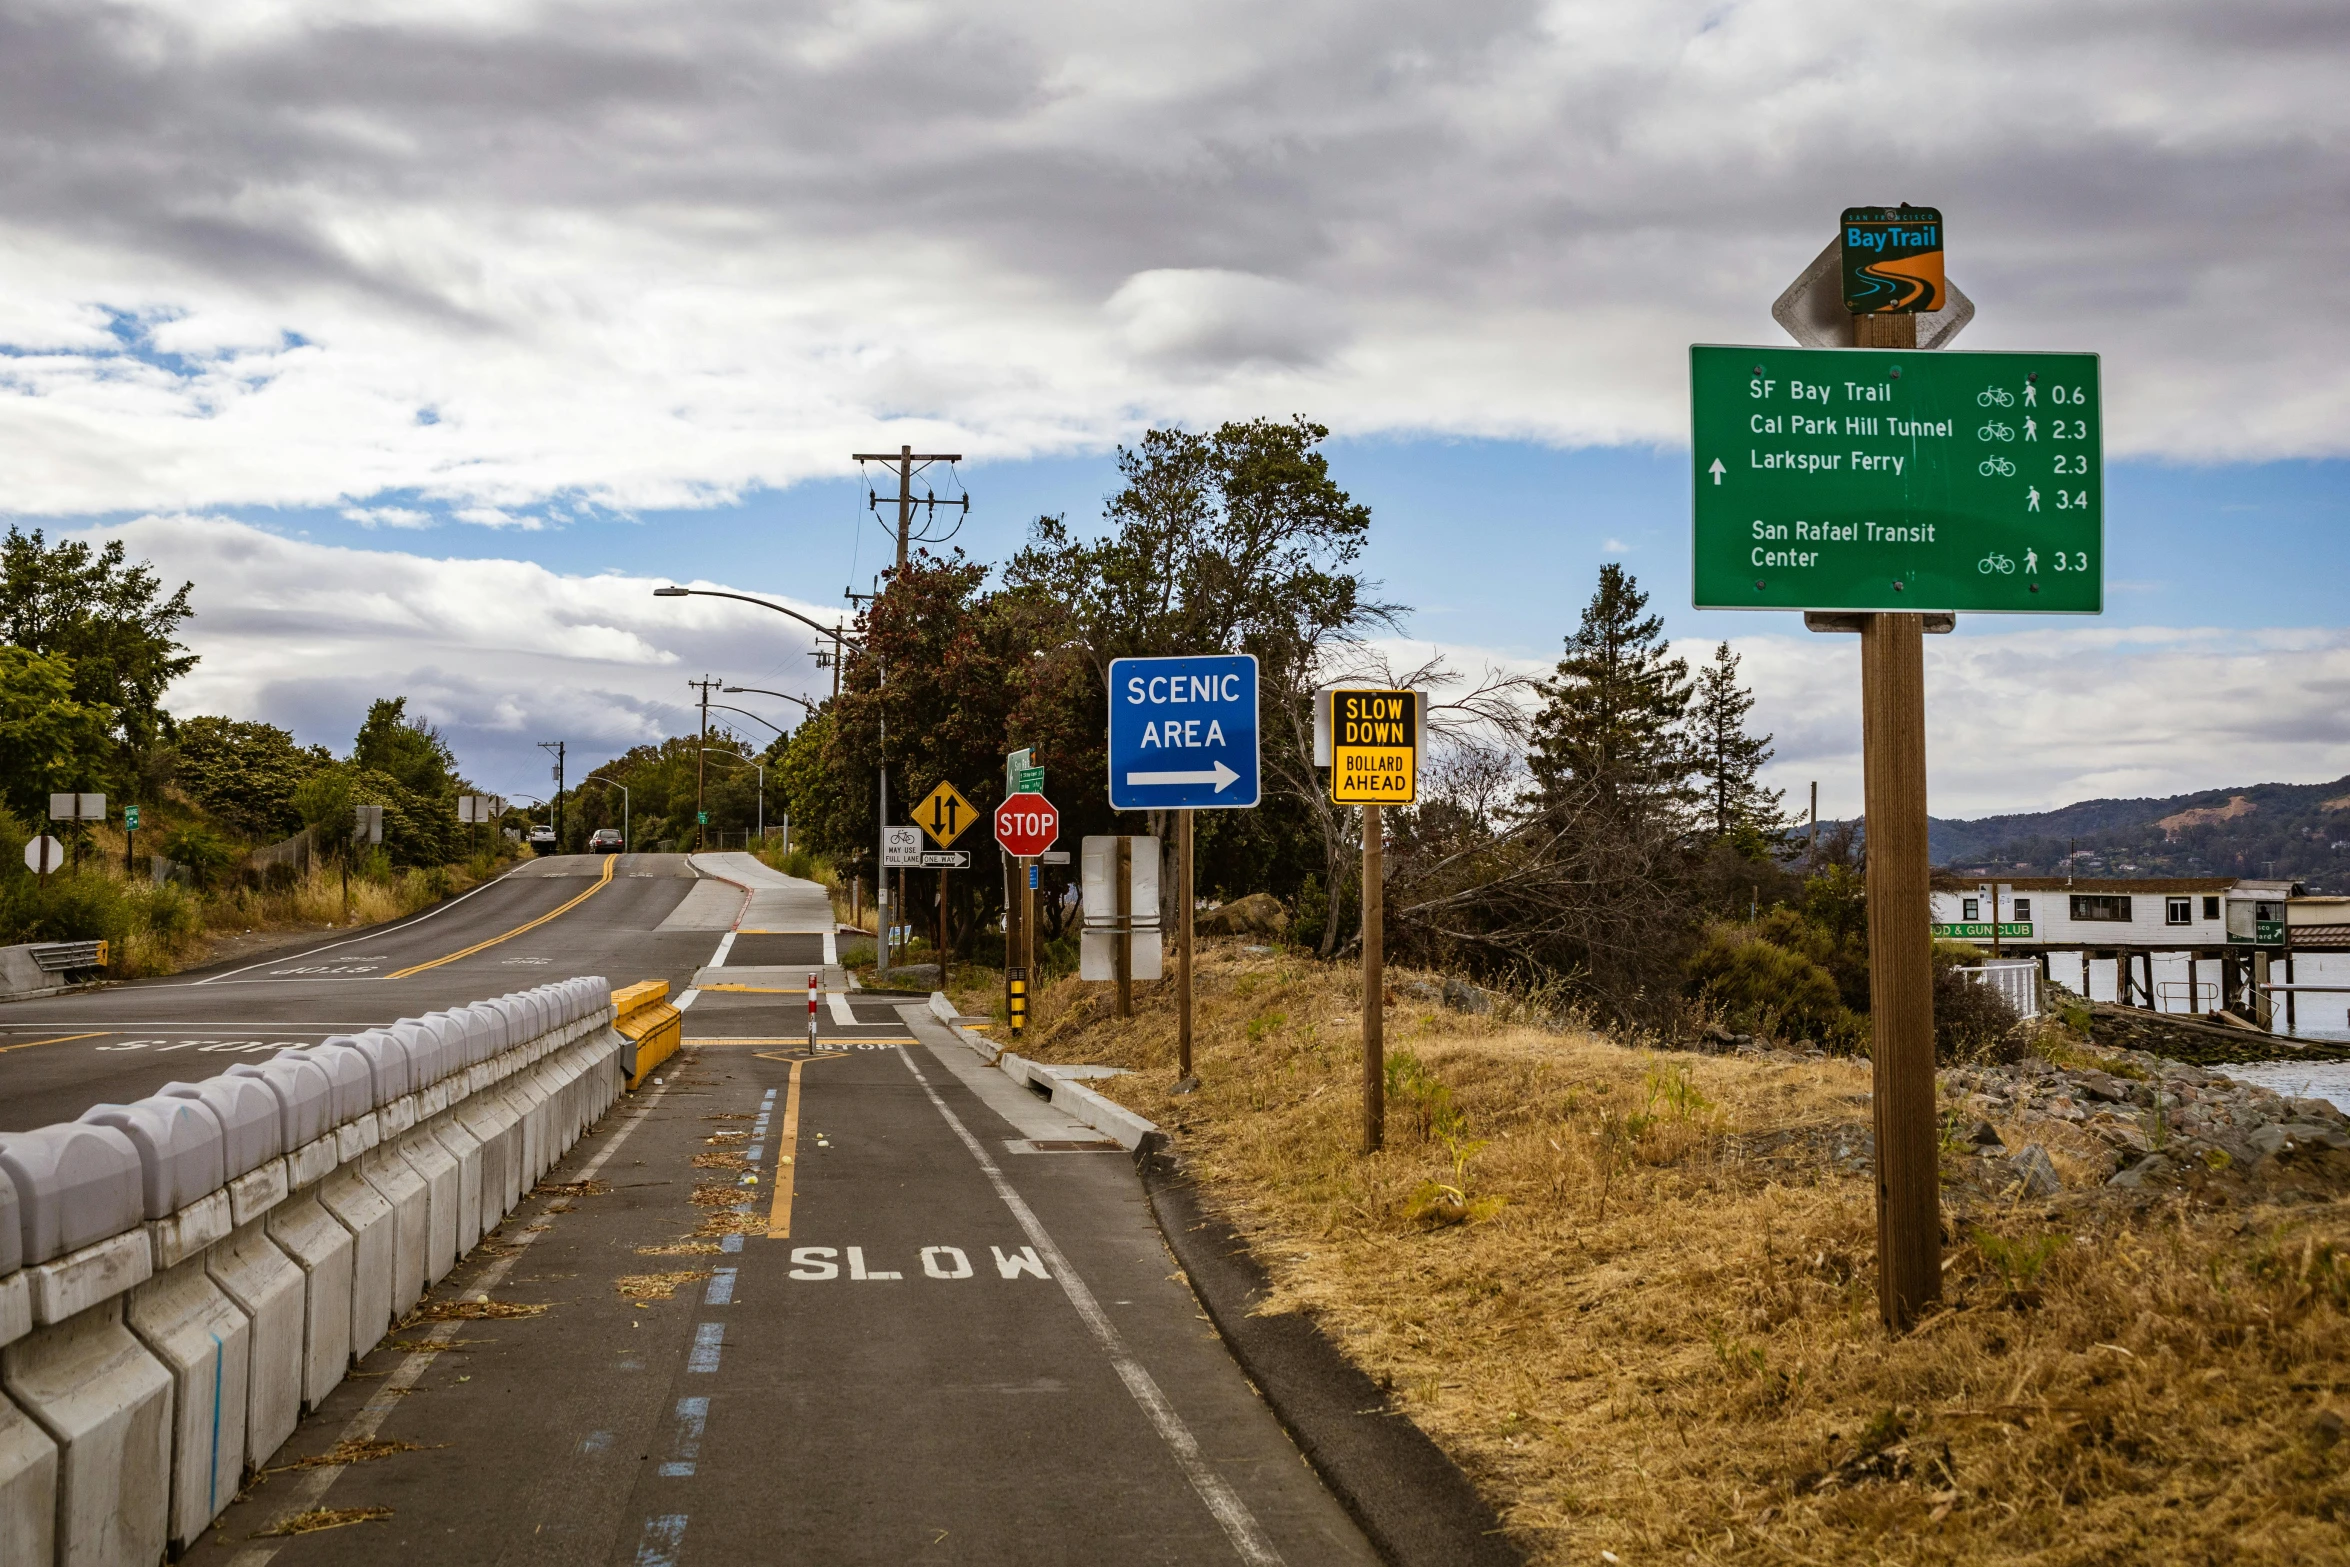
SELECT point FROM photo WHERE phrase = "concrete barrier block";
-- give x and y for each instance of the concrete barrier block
(390, 1064)
(309, 1164)
(396, 1117)
(321, 1248)
(397, 1182)
(462, 1146)
(205, 1343)
(359, 1208)
(357, 1137)
(74, 1183)
(177, 1238)
(491, 1121)
(98, 1272)
(268, 1288)
(106, 1403)
(438, 1171)
(11, 1227)
(16, 1307)
(28, 1489)
(350, 1073)
(179, 1143)
(257, 1191)
(305, 1096)
(251, 1125)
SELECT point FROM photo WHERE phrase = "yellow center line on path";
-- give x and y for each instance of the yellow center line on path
(842, 1040)
(59, 1040)
(603, 881)
(787, 1154)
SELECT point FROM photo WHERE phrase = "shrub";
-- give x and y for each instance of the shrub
(1763, 987)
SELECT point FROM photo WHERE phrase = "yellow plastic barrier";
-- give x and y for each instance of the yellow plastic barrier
(643, 1015)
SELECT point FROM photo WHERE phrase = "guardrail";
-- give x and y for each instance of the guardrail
(181, 1278)
(63, 957)
(650, 1025)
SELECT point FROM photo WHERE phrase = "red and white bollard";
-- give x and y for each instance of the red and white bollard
(811, 1012)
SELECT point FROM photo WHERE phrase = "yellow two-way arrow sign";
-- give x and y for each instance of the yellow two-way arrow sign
(945, 815)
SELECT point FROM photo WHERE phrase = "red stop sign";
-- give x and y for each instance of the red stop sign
(1027, 825)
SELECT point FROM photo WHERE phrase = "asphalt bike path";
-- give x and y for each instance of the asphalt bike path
(866, 1302)
(907, 1375)
(547, 919)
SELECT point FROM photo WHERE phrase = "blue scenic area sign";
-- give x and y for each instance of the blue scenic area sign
(1183, 733)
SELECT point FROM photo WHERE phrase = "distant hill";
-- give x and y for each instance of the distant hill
(2301, 831)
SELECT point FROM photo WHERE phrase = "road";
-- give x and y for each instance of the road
(866, 1303)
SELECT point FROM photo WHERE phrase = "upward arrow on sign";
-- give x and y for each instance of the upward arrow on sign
(1716, 470)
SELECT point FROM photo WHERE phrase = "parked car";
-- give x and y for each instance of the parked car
(605, 840)
(542, 840)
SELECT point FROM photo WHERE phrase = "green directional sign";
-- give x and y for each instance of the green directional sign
(1890, 479)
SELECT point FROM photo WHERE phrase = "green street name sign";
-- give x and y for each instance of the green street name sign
(1889, 479)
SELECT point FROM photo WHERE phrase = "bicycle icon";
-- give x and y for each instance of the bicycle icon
(1995, 396)
(1996, 468)
(1995, 562)
(1995, 431)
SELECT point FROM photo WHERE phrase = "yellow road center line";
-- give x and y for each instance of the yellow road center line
(787, 1153)
(603, 881)
(843, 1040)
(59, 1040)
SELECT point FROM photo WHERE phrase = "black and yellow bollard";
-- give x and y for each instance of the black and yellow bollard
(1019, 1000)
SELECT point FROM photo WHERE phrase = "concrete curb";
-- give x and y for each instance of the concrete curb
(1412, 1501)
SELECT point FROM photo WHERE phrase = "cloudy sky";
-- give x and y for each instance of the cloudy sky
(427, 339)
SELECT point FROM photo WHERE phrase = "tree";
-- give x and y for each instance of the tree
(1727, 758)
(1609, 729)
(1232, 541)
(246, 775)
(110, 618)
(48, 740)
(408, 750)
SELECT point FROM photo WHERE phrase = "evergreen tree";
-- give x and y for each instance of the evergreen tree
(1610, 728)
(1727, 758)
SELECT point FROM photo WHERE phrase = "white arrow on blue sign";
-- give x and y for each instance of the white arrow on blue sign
(1183, 733)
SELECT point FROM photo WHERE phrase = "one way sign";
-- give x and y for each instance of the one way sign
(1183, 733)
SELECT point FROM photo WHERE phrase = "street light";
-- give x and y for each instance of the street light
(623, 788)
(762, 691)
(747, 762)
(833, 632)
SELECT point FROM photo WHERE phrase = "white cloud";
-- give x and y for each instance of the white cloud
(635, 255)
(2030, 720)
(500, 653)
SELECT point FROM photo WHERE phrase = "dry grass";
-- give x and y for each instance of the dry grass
(642, 1287)
(318, 1518)
(478, 1310)
(1660, 1339)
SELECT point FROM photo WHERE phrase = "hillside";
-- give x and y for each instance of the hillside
(2291, 830)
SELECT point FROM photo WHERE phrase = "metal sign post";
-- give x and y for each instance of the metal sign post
(946, 816)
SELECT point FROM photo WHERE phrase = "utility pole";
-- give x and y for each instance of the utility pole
(701, 763)
(556, 811)
(909, 462)
(1811, 858)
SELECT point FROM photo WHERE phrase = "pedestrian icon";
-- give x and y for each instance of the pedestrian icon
(2031, 563)
(2032, 498)
(2031, 395)
(2031, 428)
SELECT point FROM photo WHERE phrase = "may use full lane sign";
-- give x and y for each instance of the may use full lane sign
(1895, 480)
(1183, 733)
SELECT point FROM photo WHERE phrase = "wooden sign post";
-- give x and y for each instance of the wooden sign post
(1374, 761)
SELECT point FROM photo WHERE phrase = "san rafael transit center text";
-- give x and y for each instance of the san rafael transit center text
(1897, 480)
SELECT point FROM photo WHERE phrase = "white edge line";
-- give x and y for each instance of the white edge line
(1239, 1525)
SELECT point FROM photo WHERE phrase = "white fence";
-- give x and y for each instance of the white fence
(2017, 979)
